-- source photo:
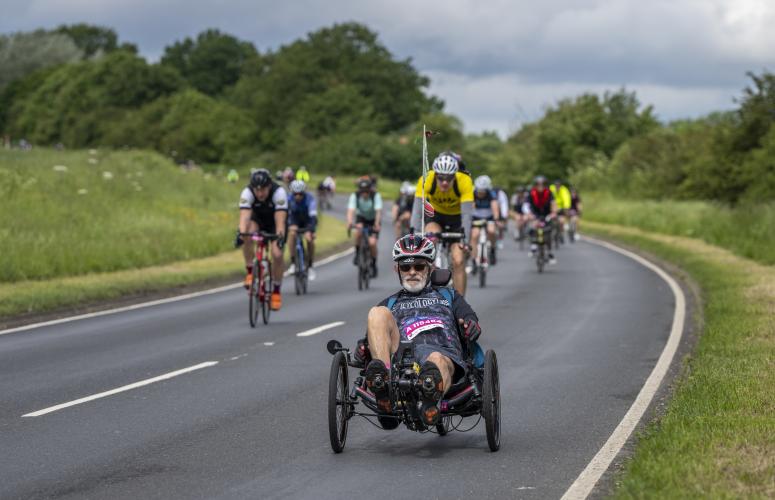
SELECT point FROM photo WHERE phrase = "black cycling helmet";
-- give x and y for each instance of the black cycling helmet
(260, 178)
(364, 184)
(557, 181)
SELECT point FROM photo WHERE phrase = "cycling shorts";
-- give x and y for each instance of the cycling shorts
(300, 221)
(448, 223)
(367, 223)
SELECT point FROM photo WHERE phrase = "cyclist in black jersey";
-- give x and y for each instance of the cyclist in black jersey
(402, 209)
(421, 313)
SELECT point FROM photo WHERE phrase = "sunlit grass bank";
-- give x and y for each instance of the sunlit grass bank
(717, 438)
(748, 231)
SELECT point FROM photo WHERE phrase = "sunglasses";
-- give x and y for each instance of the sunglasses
(445, 178)
(418, 268)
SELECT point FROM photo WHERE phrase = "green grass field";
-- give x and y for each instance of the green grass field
(747, 231)
(71, 213)
(717, 438)
(80, 226)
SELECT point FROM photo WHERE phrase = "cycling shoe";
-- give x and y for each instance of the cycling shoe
(432, 388)
(378, 382)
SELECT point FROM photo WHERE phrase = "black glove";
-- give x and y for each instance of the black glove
(362, 354)
(238, 241)
(281, 242)
(470, 329)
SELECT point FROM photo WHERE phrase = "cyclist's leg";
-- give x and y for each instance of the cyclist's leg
(492, 231)
(249, 248)
(475, 242)
(382, 332)
(457, 256)
(446, 367)
(310, 237)
(373, 243)
(278, 266)
(293, 231)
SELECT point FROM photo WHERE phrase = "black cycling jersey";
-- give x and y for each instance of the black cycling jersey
(429, 320)
(404, 203)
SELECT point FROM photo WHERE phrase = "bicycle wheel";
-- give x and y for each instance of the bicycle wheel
(443, 426)
(299, 271)
(360, 269)
(266, 304)
(338, 404)
(253, 296)
(491, 401)
(540, 259)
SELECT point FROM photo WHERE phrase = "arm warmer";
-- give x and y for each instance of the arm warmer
(417, 215)
(465, 210)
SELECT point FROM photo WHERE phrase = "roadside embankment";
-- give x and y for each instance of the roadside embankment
(717, 436)
(78, 227)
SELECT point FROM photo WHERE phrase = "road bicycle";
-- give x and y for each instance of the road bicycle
(260, 291)
(572, 227)
(446, 239)
(543, 235)
(300, 272)
(363, 258)
(484, 252)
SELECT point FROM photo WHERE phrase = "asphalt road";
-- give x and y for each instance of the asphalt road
(574, 344)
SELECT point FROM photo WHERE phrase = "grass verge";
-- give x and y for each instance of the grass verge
(748, 231)
(39, 296)
(717, 437)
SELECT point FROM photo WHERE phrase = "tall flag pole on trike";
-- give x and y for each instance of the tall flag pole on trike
(424, 175)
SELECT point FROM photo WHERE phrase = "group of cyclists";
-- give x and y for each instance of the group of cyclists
(455, 202)
(447, 201)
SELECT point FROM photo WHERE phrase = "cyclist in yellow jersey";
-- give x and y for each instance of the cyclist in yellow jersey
(562, 197)
(451, 194)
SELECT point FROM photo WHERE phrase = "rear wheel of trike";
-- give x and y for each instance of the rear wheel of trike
(338, 405)
(491, 401)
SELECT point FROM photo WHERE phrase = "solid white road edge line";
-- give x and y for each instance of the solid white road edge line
(141, 305)
(583, 485)
(166, 376)
(319, 329)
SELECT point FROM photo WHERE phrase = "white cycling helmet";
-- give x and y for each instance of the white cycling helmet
(298, 187)
(413, 246)
(445, 164)
(407, 188)
(483, 183)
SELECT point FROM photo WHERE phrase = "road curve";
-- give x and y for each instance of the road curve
(575, 345)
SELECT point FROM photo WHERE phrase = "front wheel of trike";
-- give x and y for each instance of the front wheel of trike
(338, 405)
(491, 401)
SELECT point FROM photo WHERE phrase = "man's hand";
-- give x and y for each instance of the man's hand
(465, 247)
(377, 226)
(470, 328)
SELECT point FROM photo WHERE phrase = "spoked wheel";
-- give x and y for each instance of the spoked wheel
(253, 299)
(299, 274)
(482, 276)
(266, 304)
(540, 259)
(443, 426)
(297, 283)
(491, 401)
(338, 404)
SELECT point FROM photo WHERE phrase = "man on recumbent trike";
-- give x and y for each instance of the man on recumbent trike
(433, 317)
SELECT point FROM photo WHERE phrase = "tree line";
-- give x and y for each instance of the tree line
(337, 98)
(339, 101)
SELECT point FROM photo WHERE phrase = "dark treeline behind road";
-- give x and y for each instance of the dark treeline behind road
(339, 101)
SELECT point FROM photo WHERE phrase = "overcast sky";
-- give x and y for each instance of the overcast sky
(495, 63)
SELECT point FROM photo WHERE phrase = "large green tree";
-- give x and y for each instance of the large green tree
(273, 88)
(23, 53)
(212, 62)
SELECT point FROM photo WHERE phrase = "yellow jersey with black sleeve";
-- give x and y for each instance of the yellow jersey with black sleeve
(561, 196)
(448, 202)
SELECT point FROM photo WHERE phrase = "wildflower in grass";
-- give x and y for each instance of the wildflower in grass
(107, 175)
(92, 151)
(93, 161)
(82, 191)
(60, 168)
